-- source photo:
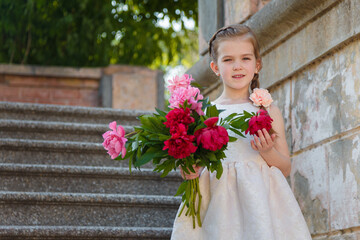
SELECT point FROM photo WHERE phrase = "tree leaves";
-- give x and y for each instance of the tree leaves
(96, 33)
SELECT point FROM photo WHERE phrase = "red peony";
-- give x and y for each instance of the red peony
(213, 137)
(180, 144)
(178, 116)
(261, 120)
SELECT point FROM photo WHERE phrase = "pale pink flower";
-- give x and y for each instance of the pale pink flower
(114, 141)
(178, 82)
(180, 95)
(261, 97)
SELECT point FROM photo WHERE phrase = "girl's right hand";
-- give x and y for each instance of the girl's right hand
(191, 175)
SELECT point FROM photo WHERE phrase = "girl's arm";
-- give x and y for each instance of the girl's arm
(274, 148)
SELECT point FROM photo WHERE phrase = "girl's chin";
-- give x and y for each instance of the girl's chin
(238, 86)
(238, 83)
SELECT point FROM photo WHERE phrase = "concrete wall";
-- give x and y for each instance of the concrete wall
(116, 86)
(311, 57)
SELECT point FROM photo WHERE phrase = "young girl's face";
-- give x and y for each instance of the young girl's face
(236, 63)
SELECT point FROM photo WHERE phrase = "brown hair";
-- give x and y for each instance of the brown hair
(232, 31)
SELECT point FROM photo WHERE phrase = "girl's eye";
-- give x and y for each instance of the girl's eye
(227, 60)
(246, 59)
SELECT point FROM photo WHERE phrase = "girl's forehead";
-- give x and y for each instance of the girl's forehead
(236, 45)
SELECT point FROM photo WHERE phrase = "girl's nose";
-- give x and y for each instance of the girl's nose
(236, 66)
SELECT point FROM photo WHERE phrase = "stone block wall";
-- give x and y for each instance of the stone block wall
(136, 88)
(116, 86)
(311, 57)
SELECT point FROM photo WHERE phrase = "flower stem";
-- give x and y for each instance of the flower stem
(192, 210)
(199, 202)
(182, 209)
(193, 196)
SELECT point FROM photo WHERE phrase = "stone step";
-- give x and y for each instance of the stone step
(83, 179)
(25, 151)
(77, 209)
(83, 233)
(45, 130)
(75, 114)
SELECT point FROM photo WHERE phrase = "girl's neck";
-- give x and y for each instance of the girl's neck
(238, 96)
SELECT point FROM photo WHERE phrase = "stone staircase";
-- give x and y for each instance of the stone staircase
(57, 181)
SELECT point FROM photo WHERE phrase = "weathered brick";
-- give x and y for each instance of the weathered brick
(35, 93)
(128, 95)
(282, 97)
(65, 93)
(9, 92)
(344, 182)
(239, 11)
(326, 97)
(309, 181)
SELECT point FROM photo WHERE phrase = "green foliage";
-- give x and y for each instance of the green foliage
(96, 32)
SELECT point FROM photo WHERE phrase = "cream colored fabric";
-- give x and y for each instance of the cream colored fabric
(250, 201)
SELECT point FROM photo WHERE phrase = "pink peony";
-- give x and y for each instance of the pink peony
(178, 82)
(213, 137)
(114, 141)
(261, 97)
(180, 95)
(261, 120)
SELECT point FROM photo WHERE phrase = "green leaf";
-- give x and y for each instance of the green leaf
(237, 132)
(200, 126)
(134, 146)
(181, 188)
(238, 123)
(187, 190)
(163, 137)
(197, 85)
(220, 155)
(219, 171)
(149, 155)
(167, 166)
(162, 113)
(212, 111)
(248, 115)
(230, 116)
(153, 124)
(212, 157)
(245, 126)
(146, 123)
(232, 139)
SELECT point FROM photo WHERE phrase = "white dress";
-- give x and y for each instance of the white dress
(251, 201)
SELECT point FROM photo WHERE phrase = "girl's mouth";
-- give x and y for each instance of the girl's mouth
(238, 76)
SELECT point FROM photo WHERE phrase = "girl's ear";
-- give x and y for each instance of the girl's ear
(215, 68)
(258, 66)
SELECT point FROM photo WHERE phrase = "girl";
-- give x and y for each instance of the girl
(252, 199)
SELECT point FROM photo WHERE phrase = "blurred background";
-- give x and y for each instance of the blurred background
(159, 37)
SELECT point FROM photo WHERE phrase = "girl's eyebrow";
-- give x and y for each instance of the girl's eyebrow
(246, 54)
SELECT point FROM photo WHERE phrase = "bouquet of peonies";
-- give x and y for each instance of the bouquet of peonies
(189, 136)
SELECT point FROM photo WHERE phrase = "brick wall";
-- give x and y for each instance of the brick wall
(49, 90)
(127, 87)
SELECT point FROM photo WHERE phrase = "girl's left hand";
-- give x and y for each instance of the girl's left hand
(264, 142)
